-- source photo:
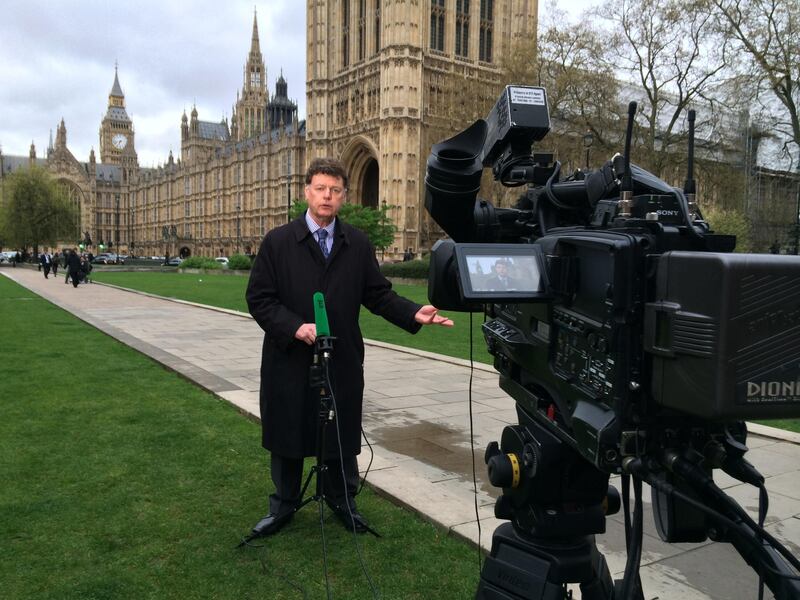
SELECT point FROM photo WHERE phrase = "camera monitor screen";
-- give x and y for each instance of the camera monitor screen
(501, 272)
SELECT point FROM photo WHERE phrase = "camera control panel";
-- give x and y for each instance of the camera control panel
(582, 353)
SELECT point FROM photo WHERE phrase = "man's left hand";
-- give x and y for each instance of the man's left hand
(428, 315)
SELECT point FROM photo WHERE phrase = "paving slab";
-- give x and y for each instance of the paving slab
(416, 415)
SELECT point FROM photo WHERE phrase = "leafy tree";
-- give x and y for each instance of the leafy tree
(35, 210)
(374, 222)
(582, 94)
(766, 34)
(669, 53)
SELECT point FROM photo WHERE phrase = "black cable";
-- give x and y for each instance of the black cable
(763, 508)
(369, 465)
(631, 583)
(291, 584)
(375, 593)
(324, 547)
(730, 524)
(625, 481)
(472, 446)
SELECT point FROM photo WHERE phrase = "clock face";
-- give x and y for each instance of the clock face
(119, 140)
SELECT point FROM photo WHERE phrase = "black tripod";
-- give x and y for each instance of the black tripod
(556, 502)
(319, 380)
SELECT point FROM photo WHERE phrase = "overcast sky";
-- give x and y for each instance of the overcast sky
(58, 61)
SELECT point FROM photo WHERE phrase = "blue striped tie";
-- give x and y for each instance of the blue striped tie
(323, 242)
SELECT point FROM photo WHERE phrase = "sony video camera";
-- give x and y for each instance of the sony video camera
(622, 326)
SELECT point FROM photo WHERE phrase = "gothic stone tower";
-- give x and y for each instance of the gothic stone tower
(387, 78)
(249, 114)
(116, 133)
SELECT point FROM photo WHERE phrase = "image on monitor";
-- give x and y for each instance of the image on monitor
(503, 273)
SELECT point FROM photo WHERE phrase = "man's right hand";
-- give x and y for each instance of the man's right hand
(307, 332)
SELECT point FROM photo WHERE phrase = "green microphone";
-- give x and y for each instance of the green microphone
(321, 315)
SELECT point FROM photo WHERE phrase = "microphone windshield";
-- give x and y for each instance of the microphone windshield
(321, 315)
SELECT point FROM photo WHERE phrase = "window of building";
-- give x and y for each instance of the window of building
(377, 26)
(437, 25)
(345, 33)
(362, 26)
(486, 31)
(187, 211)
(462, 28)
(201, 230)
(187, 186)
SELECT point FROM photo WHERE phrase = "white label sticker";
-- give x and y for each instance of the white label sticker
(520, 95)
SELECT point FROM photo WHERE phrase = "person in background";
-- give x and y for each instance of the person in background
(74, 267)
(46, 261)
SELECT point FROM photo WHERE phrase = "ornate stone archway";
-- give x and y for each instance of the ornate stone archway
(360, 158)
(77, 198)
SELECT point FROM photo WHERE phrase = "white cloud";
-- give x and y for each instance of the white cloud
(58, 61)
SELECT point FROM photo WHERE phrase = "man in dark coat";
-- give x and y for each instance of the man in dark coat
(46, 261)
(318, 253)
(74, 267)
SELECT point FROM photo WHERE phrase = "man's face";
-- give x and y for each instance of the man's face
(325, 195)
(501, 269)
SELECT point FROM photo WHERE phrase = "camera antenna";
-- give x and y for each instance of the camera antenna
(690, 188)
(626, 189)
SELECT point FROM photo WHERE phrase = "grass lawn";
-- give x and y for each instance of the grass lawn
(227, 291)
(122, 480)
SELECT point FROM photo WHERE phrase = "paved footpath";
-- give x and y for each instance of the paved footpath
(417, 419)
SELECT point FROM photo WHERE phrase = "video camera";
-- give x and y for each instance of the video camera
(630, 336)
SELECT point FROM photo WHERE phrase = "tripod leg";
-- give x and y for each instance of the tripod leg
(601, 587)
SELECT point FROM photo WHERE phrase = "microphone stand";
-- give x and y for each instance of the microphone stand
(318, 379)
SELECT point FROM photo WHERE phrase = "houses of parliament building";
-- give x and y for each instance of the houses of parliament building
(384, 80)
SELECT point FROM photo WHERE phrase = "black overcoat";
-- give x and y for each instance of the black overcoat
(287, 271)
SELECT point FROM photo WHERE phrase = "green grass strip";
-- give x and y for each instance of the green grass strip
(227, 291)
(122, 480)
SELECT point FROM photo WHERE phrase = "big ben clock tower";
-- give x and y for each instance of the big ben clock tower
(116, 131)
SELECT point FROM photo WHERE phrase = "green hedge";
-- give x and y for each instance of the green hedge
(200, 262)
(240, 262)
(413, 269)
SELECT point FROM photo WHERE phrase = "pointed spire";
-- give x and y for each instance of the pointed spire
(255, 47)
(116, 89)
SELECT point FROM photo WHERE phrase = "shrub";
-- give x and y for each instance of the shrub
(240, 262)
(200, 262)
(413, 269)
(730, 222)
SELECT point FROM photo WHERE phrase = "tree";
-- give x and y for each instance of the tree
(767, 34)
(35, 210)
(374, 222)
(583, 95)
(670, 54)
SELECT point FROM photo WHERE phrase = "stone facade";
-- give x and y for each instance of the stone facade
(386, 79)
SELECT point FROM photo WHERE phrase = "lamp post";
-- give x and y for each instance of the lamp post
(238, 227)
(588, 140)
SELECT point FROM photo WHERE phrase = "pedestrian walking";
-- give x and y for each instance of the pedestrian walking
(45, 261)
